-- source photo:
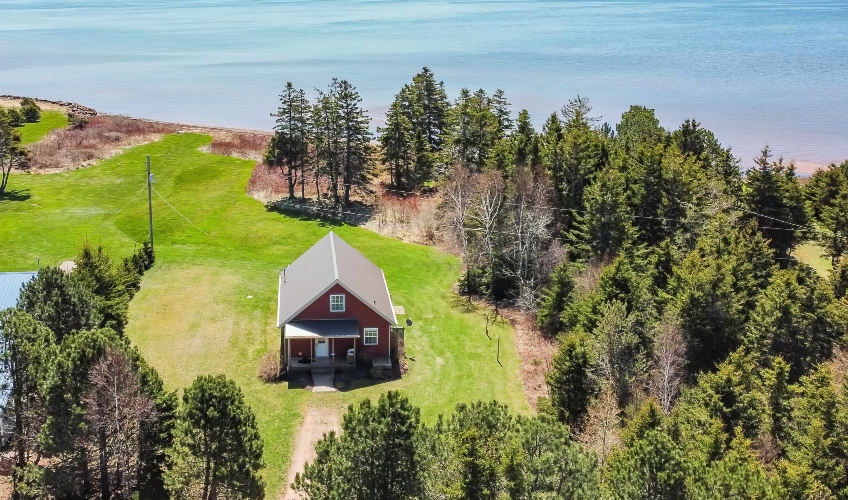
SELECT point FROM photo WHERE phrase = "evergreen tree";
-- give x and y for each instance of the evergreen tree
(559, 292)
(433, 103)
(328, 134)
(96, 272)
(396, 139)
(553, 156)
(736, 475)
(701, 145)
(834, 228)
(793, 319)
(12, 155)
(26, 350)
(61, 302)
(547, 464)
(217, 449)
(289, 146)
(474, 129)
(356, 160)
(816, 455)
(607, 217)
(30, 110)
(715, 289)
(584, 155)
(376, 457)
(650, 467)
(774, 195)
(571, 380)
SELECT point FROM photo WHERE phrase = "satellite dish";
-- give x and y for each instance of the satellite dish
(408, 322)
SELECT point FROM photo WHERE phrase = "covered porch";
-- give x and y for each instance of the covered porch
(320, 343)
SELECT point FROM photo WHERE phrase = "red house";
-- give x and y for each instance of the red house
(334, 307)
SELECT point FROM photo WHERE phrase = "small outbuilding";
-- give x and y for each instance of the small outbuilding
(334, 308)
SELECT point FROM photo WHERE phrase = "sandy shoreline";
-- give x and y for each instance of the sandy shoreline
(803, 168)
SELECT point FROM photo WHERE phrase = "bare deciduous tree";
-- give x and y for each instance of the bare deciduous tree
(486, 205)
(530, 223)
(457, 193)
(669, 363)
(603, 420)
(117, 409)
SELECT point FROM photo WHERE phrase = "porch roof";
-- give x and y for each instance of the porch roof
(322, 328)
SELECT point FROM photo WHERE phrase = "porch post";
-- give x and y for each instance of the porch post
(333, 350)
(284, 362)
(312, 349)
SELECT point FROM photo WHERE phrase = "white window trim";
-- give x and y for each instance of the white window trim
(343, 303)
(365, 336)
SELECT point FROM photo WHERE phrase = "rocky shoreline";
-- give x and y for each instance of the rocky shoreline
(70, 107)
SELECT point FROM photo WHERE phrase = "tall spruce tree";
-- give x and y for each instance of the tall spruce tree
(396, 139)
(356, 158)
(774, 197)
(289, 147)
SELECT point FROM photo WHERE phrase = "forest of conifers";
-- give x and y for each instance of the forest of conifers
(698, 358)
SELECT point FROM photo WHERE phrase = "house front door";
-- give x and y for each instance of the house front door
(322, 349)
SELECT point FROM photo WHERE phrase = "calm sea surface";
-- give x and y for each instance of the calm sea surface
(754, 72)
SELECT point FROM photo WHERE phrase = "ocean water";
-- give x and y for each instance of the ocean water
(754, 72)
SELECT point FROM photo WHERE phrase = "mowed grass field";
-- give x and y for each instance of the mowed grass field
(811, 254)
(50, 120)
(209, 303)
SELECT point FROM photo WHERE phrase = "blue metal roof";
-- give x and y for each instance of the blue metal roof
(10, 287)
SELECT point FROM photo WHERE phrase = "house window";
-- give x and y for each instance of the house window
(370, 337)
(337, 303)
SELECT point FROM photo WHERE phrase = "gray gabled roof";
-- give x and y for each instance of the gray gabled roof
(10, 287)
(329, 262)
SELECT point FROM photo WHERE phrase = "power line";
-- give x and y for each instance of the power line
(123, 207)
(190, 222)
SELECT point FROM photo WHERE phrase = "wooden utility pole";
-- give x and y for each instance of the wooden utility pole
(150, 200)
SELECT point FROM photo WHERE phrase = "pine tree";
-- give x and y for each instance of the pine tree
(374, 458)
(27, 349)
(217, 449)
(61, 302)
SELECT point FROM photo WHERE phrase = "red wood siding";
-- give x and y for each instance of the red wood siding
(300, 348)
(354, 309)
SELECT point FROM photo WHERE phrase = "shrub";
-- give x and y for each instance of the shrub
(77, 122)
(269, 366)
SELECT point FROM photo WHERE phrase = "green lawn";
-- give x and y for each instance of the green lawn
(50, 120)
(811, 254)
(209, 303)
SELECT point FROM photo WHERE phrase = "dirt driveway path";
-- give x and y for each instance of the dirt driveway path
(316, 422)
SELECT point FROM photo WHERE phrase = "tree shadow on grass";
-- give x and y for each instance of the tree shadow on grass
(325, 215)
(360, 378)
(15, 195)
(322, 221)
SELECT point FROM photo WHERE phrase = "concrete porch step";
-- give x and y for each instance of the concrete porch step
(322, 381)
